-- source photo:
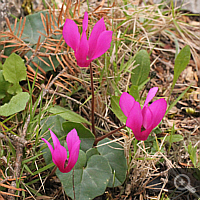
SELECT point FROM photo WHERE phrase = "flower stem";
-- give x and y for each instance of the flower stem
(92, 88)
(108, 134)
(73, 184)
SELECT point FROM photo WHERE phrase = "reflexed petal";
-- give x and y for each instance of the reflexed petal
(48, 144)
(99, 27)
(85, 22)
(126, 103)
(71, 34)
(103, 44)
(135, 119)
(59, 156)
(158, 108)
(56, 141)
(143, 135)
(151, 94)
(73, 156)
(71, 139)
(147, 117)
(82, 51)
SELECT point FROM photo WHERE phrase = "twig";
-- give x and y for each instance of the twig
(16, 140)
(107, 135)
(92, 88)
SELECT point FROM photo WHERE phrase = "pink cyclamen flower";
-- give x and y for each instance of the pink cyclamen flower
(142, 121)
(59, 153)
(87, 50)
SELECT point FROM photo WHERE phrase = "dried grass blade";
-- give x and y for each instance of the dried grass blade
(9, 194)
(47, 24)
(60, 61)
(23, 25)
(43, 18)
(66, 82)
(52, 63)
(42, 34)
(38, 43)
(58, 45)
(36, 65)
(61, 85)
(71, 70)
(43, 61)
(15, 25)
(11, 187)
(20, 21)
(8, 23)
(60, 15)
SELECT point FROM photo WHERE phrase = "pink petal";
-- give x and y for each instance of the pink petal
(48, 144)
(99, 27)
(82, 51)
(56, 142)
(73, 156)
(59, 156)
(71, 34)
(126, 103)
(143, 135)
(147, 117)
(85, 22)
(103, 44)
(151, 94)
(71, 139)
(158, 108)
(135, 119)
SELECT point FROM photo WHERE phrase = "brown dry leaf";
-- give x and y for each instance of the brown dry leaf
(188, 74)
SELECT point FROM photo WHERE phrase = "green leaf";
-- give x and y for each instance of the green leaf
(3, 85)
(85, 135)
(14, 71)
(181, 62)
(91, 152)
(114, 153)
(1, 66)
(116, 108)
(68, 114)
(141, 72)
(89, 181)
(16, 104)
(33, 24)
(135, 92)
(174, 138)
(193, 153)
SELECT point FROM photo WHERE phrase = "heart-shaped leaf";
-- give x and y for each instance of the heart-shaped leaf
(114, 153)
(90, 179)
(33, 28)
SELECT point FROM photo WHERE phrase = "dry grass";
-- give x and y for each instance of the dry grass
(157, 28)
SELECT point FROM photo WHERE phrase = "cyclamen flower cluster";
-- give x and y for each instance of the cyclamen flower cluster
(141, 121)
